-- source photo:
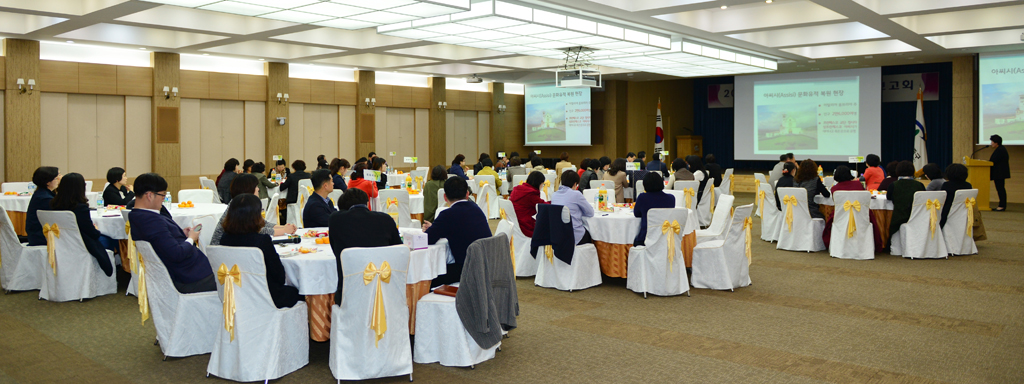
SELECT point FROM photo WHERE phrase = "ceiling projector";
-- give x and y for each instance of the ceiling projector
(474, 80)
(578, 78)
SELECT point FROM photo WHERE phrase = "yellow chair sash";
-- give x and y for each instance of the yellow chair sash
(789, 202)
(688, 195)
(487, 197)
(52, 233)
(550, 254)
(547, 188)
(392, 202)
(511, 238)
(419, 182)
(933, 206)
(139, 270)
(852, 226)
(760, 202)
(712, 191)
(730, 184)
(667, 229)
(229, 279)
(757, 185)
(378, 320)
(748, 223)
(969, 204)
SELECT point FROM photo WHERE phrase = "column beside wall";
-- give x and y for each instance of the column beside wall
(438, 122)
(276, 133)
(963, 107)
(366, 118)
(166, 133)
(497, 135)
(22, 139)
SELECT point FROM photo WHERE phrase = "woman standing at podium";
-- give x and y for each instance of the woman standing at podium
(1000, 169)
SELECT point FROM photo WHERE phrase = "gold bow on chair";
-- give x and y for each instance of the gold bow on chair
(52, 233)
(748, 223)
(378, 320)
(730, 184)
(757, 185)
(666, 229)
(760, 202)
(229, 279)
(550, 254)
(139, 269)
(487, 197)
(391, 202)
(969, 204)
(688, 195)
(419, 182)
(511, 238)
(852, 227)
(790, 202)
(547, 187)
(933, 206)
(712, 191)
(521, 182)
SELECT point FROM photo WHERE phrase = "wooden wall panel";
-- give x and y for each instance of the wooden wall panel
(191, 128)
(310, 135)
(300, 92)
(255, 131)
(252, 88)
(54, 127)
(964, 120)
(296, 132)
(211, 116)
(21, 111)
(134, 81)
(194, 85)
(345, 93)
(365, 119)
(483, 101)
(232, 131)
(223, 86)
(401, 97)
(347, 132)
(137, 129)
(110, 142)
(82, 132)
(58, 76)
(437, 126)
(3, 73)
(452, 98)
(321, 92)
(97, 79)
(329, 131)
(381, 132)
(420, 98)
(449, 136)
(422, 138)
(384, 95)
(277, 137)
(497, 120)
(2, 178)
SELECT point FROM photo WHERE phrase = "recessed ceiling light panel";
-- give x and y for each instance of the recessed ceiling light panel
(345, 14)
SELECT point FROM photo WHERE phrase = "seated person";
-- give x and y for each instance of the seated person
(117, 192)
(357, 181)
(874, 174)
(318, 209)
(353, 225)
(292, 184)
(232, 168)
(657, 164)
(71, 197)
(807, 178)
(956, 175)
(846, 182)
(378, 164)
(714, 170)
(901, 193)
(248, 184)
(579, 207)
(437, 177)
(934, 177)
(654, 196)
(537, 164)
(262, 182)
(462, 224)
(890, 171)
(680, 173)
(46, 180)
(243, 226)
(457, 164)
(188, 267)
(589, 173)
(338, 169)
(785, 181)
(524, 198)
(617, 174)
(487, 170)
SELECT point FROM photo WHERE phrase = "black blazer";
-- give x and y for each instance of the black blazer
(112, 195)
(184, 262)
(715, 172)
(284, 296)
(292, 185)
(339, 182)
(951, 187)
(462, 224)
(1001, 164)
(552, 231)
(786, 181)
(40, 201)
(359, 227)
(317, 212)
(91, 237)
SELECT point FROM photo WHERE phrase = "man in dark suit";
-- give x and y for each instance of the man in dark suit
(318, 209)
(354, 225)
(462, 224)
(189, 268)
(1000, 169)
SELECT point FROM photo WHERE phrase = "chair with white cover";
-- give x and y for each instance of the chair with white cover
(19, 187)
(853, 236)
(639, 189)
(334, 196)
(525, 265)
(608, 184)
(552, 272)
(771, 216)
(133, 254)
(959, 229)
(829, 181)
(360, 348)
(725, 264)
(657, 267)
(209, 223)
(798, 231)
(440, 200)
(295, 209)
(689, 190)
(921, 236)
(705, 203)
(727, 185)
(719, 220)
(186, 323)
(759, 180)
(549, 187)
(197, 196)
(88, 186)
(21, 266)
(258, 341)
(71, 273)
(395, 202)
(516, 180)
(208, 185)
(273, 210)
(420, 173)
(486, 195)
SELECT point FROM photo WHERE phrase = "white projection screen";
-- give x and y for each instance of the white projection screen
(1001, 99)
(557, 116)
(825, 116)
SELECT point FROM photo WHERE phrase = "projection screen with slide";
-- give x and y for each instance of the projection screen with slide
(557, 116)
(828, 115)
(1001, 106)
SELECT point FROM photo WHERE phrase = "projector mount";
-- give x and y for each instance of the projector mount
(577, 58)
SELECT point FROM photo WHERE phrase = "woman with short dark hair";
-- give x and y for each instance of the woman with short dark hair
(436, 182)
(264, 183)
(248, 184)
(338, 169)
(457, 163)
(247, 165)
(807, 178)
(118, 192)
(561, 166)
(71, 197)
(874, 175)
(231, 169)
(901, 193)
(242, 225)
(956, 179)
(654, 196)
(524, 198)
(46, 179)
(378, 165)
(617, 174)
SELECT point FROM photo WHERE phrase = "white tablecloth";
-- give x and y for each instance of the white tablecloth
(622, 227)
(876, 203)
(113, 225)
(416, 204)
(20, 203)
(317, 273)
(395, 180)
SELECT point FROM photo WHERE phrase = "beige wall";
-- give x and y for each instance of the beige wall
(314, 130)
(468, 134)
(2, 178)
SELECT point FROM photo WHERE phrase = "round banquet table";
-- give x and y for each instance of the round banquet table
(880, 207)
(17, 206)
(316, 277)
(614, 232)
(111, 224)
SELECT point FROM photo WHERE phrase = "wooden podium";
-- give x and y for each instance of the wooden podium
(978, 176)
(689, 145)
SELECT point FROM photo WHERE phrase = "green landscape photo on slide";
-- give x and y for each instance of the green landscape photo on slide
(1003, 112)
(545, 122)
(787, 127)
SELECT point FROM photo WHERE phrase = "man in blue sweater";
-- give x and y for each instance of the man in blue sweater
(189, 268)
(462, 224)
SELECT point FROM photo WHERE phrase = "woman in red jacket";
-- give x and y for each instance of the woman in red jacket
(525, 198)
(357, 181)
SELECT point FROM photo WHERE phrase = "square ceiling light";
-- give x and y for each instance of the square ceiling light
(345, 14)
(687, 59)
(514, 28)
